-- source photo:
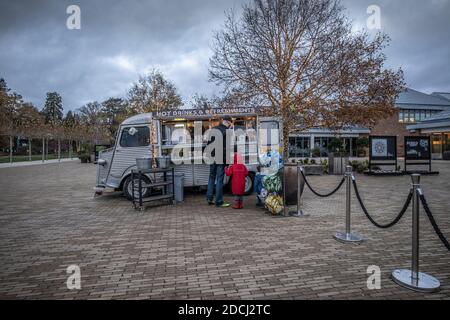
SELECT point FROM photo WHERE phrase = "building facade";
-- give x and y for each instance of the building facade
(315, 143)
(438, 127)
(413, 107)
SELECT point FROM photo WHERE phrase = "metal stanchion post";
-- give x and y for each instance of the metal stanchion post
(347, 236)
(413, 279)
(300, 184)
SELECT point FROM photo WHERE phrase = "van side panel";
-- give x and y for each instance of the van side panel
(125, 158)
(187, 171)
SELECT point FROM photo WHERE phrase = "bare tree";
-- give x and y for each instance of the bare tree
(9, 104)
(153, 93)
(199, 101)
(29, 124)
(115, 111)
(302, 60)
(92, 118)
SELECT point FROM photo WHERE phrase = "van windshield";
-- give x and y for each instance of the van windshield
(135, 137)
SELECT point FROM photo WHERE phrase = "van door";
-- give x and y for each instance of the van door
(133, 142)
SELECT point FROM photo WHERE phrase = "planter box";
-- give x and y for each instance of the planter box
(313, 170)
(337, 164)
(446, 155)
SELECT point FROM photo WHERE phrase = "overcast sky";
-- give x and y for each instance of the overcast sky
(119, 40)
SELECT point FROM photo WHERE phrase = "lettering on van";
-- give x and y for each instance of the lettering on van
(201, 112)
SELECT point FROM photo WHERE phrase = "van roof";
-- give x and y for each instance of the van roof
(139, 119)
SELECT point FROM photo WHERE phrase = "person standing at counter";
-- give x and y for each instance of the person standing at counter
(217, 169)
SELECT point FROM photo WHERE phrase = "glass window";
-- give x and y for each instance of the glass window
(306, 151)
(423, 114)
(292, 148)
(299, 147)
(417, 116)
(135, 137)
(324, 148)
(412, 117)
(401, 116)
(270, 130)
(406, 116)
(317, 142)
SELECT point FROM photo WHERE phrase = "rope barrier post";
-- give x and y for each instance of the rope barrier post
(413, 279)
(347, 236)
(300, 185)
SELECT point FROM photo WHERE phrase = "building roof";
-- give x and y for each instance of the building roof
(413, 99)
(343, 131)
(442, 95)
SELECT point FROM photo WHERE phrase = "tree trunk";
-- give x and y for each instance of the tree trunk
(10, 149)
(43, 149)
(46, 149)
(29, 149)
(59, 150)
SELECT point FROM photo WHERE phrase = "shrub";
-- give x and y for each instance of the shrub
(316, 152)
(324, 164)
(84, 157)
(360, 166)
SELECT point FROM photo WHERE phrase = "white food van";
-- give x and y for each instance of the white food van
(151, 134)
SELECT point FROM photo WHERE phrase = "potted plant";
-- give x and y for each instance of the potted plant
(311, 167)
(85, 153)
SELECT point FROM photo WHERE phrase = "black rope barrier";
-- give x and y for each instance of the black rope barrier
(319, 194)
(433, 222)
(381, 226)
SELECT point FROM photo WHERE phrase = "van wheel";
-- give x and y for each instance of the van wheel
(249, 183)
(128, 188)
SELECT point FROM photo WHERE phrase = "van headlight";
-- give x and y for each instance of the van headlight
(101, 162)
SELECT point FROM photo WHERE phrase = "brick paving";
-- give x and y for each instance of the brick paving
(50, 220)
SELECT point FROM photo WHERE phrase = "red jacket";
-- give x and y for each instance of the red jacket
(238, 171)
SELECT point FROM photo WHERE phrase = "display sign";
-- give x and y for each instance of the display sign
(383, 148)
(417, 148)
(172, 114)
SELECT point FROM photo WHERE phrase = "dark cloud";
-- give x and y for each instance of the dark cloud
(119, 40)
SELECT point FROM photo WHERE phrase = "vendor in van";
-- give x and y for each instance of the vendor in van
(217, 169)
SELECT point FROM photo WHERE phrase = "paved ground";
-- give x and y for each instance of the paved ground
(49, 220)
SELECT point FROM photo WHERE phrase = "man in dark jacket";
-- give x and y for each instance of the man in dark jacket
(217, 169)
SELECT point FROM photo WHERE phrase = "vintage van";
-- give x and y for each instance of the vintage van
(152, 134)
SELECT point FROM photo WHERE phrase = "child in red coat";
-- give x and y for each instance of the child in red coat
(237, 171)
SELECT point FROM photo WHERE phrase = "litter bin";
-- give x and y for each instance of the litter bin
(179, 187)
